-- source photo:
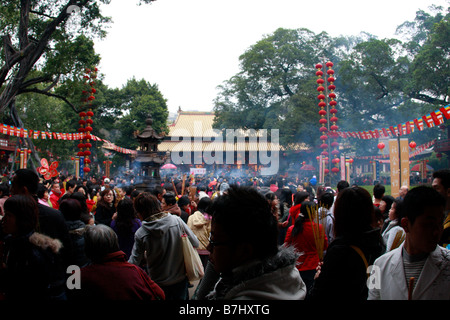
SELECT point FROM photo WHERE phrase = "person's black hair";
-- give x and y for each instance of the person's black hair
(389, 201)
(306, 208)
(169, 198)
(353, 212)
(25, 209)
(286, 196)
(398, 209)
(146, 205)
(300, 196)
(444, 175)
(341, 185)
(41, 190)
(245, 215)
(126, 215)
(326, 200)
(71, 209)
(378, 191)
(27, 178)
(204, 204)
(418, 199)
(157, 190)
(80, 186)
(71, 184)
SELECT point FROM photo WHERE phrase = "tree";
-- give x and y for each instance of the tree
(136, 101)
(46, 45)
(276, 87)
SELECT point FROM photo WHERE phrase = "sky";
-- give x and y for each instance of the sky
(189, 47)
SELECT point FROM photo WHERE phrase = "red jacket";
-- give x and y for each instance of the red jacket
(54, 198)
(116, 279)
(294, 211)
(304, 242)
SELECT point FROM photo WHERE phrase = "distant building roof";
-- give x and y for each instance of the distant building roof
(199, 124)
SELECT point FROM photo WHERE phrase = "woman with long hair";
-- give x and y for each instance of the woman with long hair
(301, 236)
(125, 225)
(105, 207)
(343, 274)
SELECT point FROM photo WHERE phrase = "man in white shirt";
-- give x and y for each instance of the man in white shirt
(419, 269)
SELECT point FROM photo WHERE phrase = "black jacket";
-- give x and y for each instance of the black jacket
(343, 273)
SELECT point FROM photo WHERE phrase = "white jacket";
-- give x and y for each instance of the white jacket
(433, 283)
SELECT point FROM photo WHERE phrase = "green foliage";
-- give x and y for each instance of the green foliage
(136, 101)
(379, 82)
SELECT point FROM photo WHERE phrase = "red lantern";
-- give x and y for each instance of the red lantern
(412, 144)
(381, 146)
(335, 169)
(86, 169)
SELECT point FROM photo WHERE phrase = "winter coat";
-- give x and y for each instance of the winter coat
(76, 232)
(433, 283)
(160, 238)
(52, 224)
(201, 226)
(114, 278)
(304, 243)
(275, 278)
(103, 214)
(126, 240)
(294, 211)
(343, 275)
(33, 271)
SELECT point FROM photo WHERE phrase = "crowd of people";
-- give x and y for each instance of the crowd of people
(258, 238)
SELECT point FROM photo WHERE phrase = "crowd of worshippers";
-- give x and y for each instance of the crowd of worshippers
(257, 240)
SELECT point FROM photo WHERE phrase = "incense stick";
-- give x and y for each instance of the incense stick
(399, 238)
(319, 236)
(410, 288)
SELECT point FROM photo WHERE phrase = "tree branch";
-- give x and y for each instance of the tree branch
(49, 94)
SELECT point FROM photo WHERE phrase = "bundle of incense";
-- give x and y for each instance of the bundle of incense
(182, 185)
(319, 237)
(398, 240)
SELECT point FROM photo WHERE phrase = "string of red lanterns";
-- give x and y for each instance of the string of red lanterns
(332, 131)
(333, 134)
(322, 112)
(86, 117)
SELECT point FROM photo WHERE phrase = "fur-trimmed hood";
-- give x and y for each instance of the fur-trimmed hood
(275, 278)
(45, 242)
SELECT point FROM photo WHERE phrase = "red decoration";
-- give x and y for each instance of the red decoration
(86, 124)
(412, 144)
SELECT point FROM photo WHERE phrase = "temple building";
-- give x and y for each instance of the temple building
(193, 143)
